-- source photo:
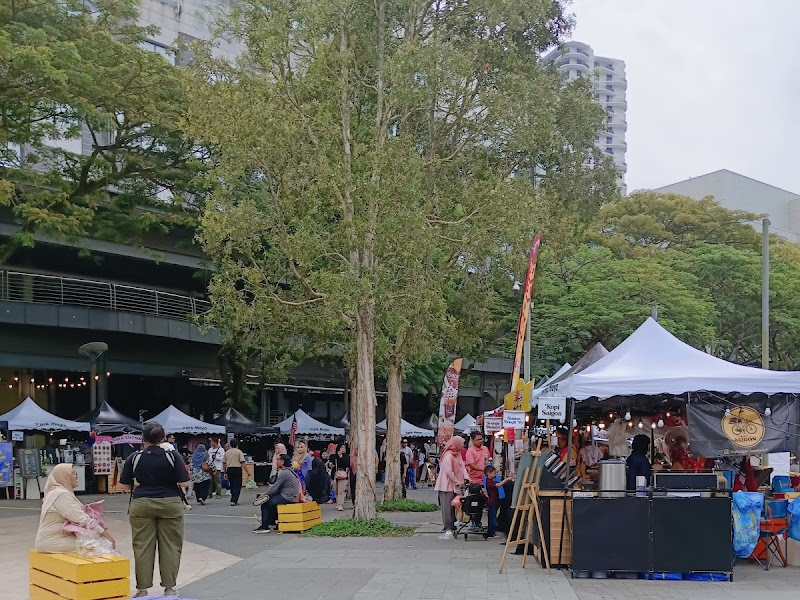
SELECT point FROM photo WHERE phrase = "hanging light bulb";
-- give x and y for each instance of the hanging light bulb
(767, 411)
(16, 378)
(661, 422)
(653, 425)
(50, 380)
(727, 412)
(630, 424)
(641, 425)
(602, 425)
(628, 416)
(668, 415)
(610, 415)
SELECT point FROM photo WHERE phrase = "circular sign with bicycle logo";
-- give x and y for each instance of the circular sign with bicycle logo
(744, 427)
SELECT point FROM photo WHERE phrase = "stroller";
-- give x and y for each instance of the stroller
(472, 505)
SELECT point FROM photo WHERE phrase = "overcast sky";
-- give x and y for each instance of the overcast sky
(712, 84)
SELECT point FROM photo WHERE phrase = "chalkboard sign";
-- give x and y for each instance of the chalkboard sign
(30, 463)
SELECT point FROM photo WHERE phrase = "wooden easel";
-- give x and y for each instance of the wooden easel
(527, 507)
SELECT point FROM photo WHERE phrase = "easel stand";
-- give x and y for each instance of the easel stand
(25, 487)
(524, 512)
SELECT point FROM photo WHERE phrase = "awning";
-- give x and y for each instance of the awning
(235, 422)
(407, 429)
(307, 425)
(176, 421)
(29, 416)
(107, 419)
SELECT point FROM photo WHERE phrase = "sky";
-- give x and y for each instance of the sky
(712, 84)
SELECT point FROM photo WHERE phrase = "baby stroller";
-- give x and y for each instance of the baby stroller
(472, 505)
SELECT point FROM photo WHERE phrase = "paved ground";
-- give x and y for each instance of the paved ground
(222, 559)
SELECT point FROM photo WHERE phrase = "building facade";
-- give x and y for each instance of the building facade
(738, 192)
(576, 59)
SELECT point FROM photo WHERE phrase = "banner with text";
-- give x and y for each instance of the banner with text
(524, 313)
(744, 429)
(555, 408)
(449, 399)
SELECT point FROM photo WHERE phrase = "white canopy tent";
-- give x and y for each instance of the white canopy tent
(307, 425)
(466, 423)
(176, 421)
(407, 429)
(652, 361)
(29, 416)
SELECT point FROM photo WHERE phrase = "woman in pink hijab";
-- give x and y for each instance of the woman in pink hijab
(280, 450)
(452, 475)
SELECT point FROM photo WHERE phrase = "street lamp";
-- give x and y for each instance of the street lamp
(92, 351)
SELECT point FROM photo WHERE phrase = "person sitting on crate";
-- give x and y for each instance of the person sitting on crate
(60, 507)
(285, 490)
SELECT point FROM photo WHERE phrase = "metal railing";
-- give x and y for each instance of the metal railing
(50, 289)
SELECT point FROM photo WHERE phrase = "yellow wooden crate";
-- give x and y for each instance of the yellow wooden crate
(37, 593)
(99, 590)
(300, 507)
(80, 569)
(300, 517)
(300, 526)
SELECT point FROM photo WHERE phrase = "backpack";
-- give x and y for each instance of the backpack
(136, 458)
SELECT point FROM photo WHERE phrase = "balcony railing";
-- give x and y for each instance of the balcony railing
(48, 289)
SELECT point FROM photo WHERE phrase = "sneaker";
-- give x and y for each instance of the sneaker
(201, 501)
(260, 499)
(459, 523)
(171, 592)
(340, 508)
(260, 530)
(141, 594)
(447, 535)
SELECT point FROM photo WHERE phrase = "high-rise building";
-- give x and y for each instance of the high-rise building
(576, 59)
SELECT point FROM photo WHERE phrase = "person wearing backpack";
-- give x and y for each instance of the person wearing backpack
(156, 510)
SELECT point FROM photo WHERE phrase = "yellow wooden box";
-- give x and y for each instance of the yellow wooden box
(299, 507)
(80, 569)
(300, 517)
(298, 526)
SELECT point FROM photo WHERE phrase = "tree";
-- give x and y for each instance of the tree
(370, 154)
(72, 73)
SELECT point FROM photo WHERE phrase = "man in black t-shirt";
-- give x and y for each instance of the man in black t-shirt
(403, 470)
(156, 510)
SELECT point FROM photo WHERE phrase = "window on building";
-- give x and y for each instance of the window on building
(596, 64)
(610, 120)
(597, 139)
(609, 151)
(610, 130)
(608, 77)
(610, 109)
(597, 96)
(161, 49)
(609, 140)
(608, 98)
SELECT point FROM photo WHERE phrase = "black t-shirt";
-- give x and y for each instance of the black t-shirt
(403, 461)
(341, 463)
(157, 478)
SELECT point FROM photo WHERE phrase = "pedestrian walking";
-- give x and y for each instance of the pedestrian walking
(200, 472)
(216, 454)
(449, 481)
(413, 465)
(285, 490)
(235, 470)
(341, 475)
(156, 514)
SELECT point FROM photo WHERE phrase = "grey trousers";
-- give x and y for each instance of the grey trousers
(448, 512)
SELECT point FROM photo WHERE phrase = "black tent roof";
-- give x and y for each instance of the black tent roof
(107, 419)
(236, 422)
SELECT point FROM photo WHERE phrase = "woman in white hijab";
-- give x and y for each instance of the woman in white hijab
(59, 507)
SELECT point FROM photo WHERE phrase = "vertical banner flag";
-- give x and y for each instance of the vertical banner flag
(293, 431)
(447, 405)
(524, 313)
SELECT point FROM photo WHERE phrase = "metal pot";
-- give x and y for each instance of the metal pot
(612, 477)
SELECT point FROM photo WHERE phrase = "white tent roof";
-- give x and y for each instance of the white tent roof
(652, 361)
(308, 425)
(29, 416)
(176, 421)
(467, 422)
(407, 429)
(537, 390)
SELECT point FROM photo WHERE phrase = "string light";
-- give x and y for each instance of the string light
(641, 425)
(602, 425)
(668, 415)
(727, 412)
(588, 428)
(97, 377)
(628, 416)
(32, 380)
(611, 415)
(50, 380)
(767, 411)
(661, 422)
(16, 378)
(630, 424)
(653, 425)
(10, 386)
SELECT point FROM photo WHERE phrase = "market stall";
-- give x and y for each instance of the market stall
(407, 430)
(466, 424)
(236, 423)
(307, 425)
(33, 465)
(106, 419)
(177, 421)
(678, 524)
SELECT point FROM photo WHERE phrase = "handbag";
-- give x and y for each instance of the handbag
(340, 475)
(207, 467)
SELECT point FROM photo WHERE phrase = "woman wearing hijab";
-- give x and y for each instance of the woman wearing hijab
(638, 465)
(59, 507)
(280, 450)
(318, 482)
(200, 472)
(452, 475)
(302, 458)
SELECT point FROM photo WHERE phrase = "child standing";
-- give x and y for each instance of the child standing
(494, 492)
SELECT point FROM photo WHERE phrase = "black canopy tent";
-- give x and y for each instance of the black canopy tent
(236, 422)
(106, 419)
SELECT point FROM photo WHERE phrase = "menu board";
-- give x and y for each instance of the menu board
(101, 457)
(6, 464)
(30, 463)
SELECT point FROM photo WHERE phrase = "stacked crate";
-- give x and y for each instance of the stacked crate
(73, 577)
(298, 517)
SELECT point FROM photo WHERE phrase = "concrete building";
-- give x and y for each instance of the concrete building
(738, 192)
(576, 59)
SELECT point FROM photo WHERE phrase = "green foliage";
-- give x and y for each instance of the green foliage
(353, 528)
(73, 75)
(406, 505)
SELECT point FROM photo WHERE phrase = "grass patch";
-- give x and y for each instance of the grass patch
(353, 528)
(406, 506)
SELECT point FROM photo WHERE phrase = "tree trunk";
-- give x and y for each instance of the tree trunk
(363, 418)
(393, 488)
